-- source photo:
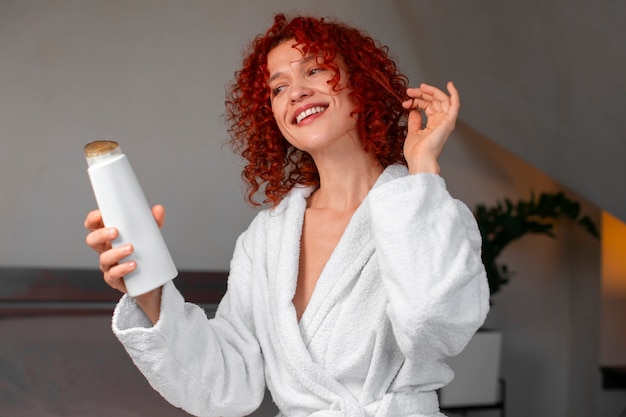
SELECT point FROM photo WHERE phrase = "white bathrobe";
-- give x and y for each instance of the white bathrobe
(404, 289)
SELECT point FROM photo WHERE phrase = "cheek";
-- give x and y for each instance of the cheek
(278, 112)
(280, 122)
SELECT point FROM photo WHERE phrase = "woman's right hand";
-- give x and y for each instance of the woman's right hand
(100, 238)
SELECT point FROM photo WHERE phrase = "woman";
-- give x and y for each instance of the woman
(344, 296)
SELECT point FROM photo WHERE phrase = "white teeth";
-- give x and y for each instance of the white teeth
(308, 112)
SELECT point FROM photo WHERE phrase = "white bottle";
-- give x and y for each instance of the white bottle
(124, 206)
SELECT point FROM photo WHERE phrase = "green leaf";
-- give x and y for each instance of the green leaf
(506, 221)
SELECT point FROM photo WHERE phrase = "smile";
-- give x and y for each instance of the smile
(308, 112)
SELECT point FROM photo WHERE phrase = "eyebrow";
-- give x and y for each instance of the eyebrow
(300, 62)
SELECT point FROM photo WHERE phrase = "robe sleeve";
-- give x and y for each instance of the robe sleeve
(206, 367)
(428, 248)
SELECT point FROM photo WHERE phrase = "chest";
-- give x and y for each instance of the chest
(321, 233)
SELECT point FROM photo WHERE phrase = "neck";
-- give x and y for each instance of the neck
(344, 182)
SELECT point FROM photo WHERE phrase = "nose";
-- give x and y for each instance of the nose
(299, 91)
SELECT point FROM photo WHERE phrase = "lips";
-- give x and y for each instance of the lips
(308, 112)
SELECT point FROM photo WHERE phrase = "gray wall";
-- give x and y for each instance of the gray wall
(151, 74)
(545, 79)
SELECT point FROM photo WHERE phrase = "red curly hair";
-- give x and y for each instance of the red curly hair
(378, 89)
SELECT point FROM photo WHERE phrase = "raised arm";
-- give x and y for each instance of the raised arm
(424, 143)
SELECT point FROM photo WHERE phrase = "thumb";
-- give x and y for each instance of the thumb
(158, 211)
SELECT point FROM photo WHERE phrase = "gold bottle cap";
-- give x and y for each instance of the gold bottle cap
(100, 151)
(100, 148)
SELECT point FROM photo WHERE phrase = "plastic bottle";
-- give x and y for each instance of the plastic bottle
(123, 205)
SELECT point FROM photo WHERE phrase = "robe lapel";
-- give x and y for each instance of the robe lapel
(342, 269)
(290, 338)
(284, 232)
(353, 249)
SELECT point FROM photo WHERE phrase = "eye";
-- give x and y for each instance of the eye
(278, 89)
(315, 70)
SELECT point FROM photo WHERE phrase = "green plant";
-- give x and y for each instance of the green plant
(506, 221)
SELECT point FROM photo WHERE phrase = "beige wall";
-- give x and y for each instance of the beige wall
(549, 312)
(613, 307)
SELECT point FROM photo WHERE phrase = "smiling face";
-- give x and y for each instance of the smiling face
(309, 113)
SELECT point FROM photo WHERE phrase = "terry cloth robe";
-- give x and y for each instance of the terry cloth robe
(404, 289)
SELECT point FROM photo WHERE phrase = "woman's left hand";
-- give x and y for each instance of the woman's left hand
(424, 144)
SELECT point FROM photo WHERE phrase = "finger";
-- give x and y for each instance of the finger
(455, 99)
(415, 121)
(433, 92)
(114, 277)
(93, 220)
(414, 92)
(158, 211)
(418, 99)
(420, 104)
(100, 239)
(410, 103)
(423, 102)
(114, 256)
